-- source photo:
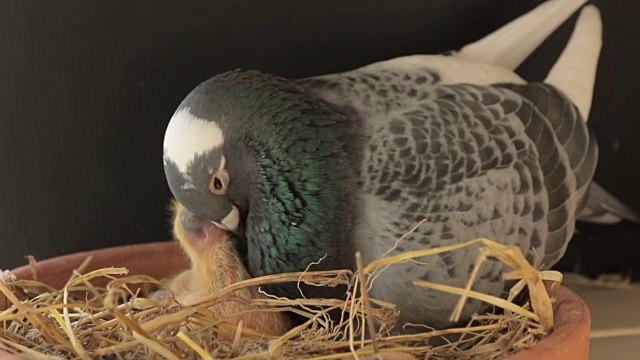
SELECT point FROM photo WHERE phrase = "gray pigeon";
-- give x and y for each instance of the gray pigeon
(320, 167)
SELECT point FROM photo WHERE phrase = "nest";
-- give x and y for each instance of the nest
(119, 320)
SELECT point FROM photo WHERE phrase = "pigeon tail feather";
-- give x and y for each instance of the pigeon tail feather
(604, 208)
(511, 45)
(575, 71)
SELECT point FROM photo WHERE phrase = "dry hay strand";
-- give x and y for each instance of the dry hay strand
(120, 321)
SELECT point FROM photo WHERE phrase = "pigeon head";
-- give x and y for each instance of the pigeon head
(196, 169)
(256, 155)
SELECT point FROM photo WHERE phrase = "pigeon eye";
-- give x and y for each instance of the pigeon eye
(219, 182)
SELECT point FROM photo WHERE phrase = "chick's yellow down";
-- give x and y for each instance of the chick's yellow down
(215, 264)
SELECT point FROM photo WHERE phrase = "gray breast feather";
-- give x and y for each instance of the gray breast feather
(507, 162)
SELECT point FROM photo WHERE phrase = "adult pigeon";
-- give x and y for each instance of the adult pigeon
(325, 166)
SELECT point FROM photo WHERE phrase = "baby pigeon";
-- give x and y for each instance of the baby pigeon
(216, 265)
(318, 168)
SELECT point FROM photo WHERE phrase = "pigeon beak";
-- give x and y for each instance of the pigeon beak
(231, 221)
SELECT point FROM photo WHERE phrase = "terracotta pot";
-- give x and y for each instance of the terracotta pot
(569, 341)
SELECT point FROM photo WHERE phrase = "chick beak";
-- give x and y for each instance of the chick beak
(231, 221)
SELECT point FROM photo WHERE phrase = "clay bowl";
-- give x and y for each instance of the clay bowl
(569, 341)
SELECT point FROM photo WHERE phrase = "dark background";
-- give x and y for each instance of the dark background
(87, 88)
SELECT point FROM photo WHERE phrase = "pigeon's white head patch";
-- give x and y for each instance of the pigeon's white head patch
(187, 136)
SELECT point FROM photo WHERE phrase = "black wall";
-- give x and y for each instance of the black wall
(87, 88)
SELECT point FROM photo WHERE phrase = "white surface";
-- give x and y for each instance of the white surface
(613, 312)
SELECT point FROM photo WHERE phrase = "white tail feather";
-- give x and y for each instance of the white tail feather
(575, 71)
(512, 44)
